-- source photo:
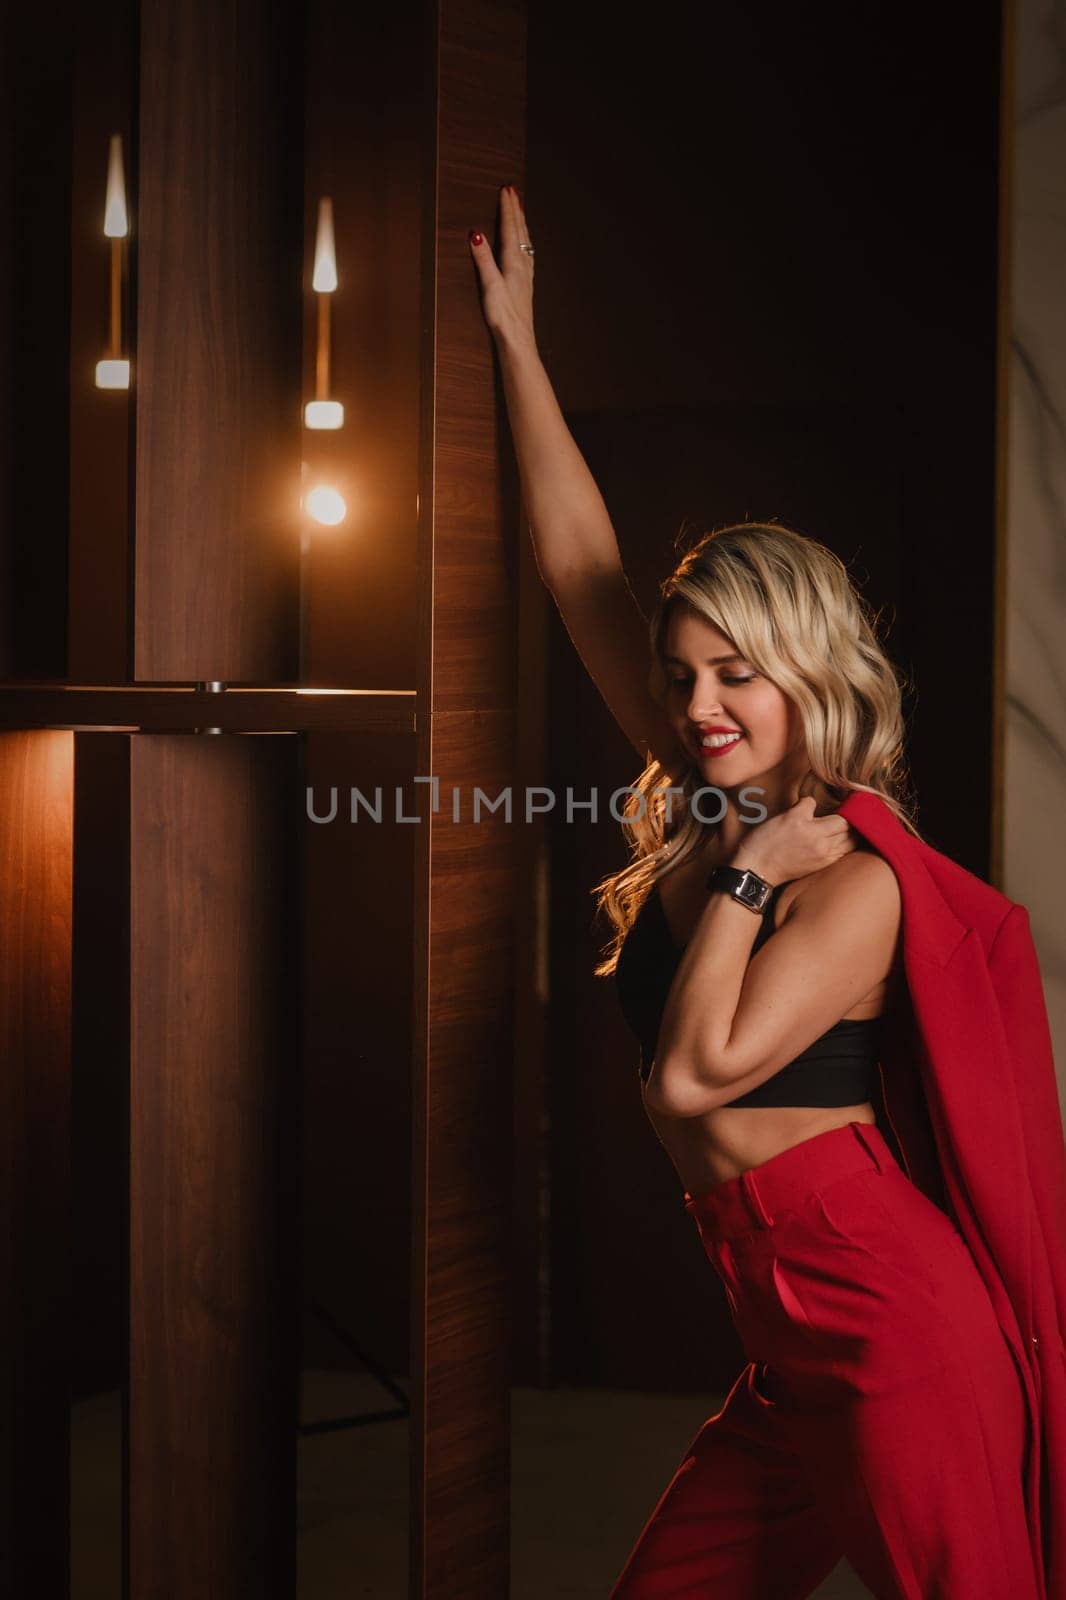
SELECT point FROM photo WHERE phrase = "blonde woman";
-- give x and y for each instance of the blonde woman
(780, 910)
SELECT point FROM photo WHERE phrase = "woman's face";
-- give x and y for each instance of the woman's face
(710, 686)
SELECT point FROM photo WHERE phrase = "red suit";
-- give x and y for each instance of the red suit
(970, 1092)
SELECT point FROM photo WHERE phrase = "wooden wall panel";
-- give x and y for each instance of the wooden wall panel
(36, 860)
(214, 1299)
(218, 358)
(465, 871)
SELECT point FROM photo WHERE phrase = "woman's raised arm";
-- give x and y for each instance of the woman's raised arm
(574, 541)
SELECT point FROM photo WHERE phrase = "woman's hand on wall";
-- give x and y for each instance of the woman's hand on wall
(507, 289)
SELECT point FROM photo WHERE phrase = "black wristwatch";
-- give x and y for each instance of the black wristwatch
(744, 885)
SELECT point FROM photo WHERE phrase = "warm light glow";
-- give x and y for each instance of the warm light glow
(324, 278)
(116, 217)
(324, 414)
(326, 505)
(112, 374)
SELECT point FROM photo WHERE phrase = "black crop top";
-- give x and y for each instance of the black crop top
(838, 1069)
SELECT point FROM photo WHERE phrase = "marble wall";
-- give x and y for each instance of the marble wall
(1034, 771)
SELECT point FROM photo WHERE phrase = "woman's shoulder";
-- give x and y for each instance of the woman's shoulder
(861, 881)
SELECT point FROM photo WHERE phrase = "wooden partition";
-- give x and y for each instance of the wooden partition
(466, 870)
(201, 559)
(218, 340)
(213, 821)
(214, 1201)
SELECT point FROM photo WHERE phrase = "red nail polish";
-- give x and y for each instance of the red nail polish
(475, 237)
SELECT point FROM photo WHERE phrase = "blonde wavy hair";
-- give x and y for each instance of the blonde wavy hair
(789, 606)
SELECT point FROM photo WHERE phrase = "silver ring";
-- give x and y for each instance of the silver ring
(528, 248)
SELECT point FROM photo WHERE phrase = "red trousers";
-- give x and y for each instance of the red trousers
(880, 1417)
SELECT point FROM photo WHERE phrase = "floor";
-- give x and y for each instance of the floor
(588, 1465)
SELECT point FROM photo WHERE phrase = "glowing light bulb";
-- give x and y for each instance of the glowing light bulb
(324, 414)
(324, 277)
(326, 505)
(112, 374)
(116, 217)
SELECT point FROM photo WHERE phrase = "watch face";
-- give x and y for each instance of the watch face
(752, 892)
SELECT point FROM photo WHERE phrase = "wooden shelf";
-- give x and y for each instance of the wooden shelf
(182, 708)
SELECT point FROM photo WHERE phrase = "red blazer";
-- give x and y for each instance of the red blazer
(969, 1089)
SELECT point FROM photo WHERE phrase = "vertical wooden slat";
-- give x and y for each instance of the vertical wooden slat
(213, 1286)
(218, 343)
(213, 1299)
(465, 874)
(36, 858)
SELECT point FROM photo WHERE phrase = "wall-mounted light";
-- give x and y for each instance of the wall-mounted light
(322, 412)
(326, 505)
(114, 371)
(321, 502)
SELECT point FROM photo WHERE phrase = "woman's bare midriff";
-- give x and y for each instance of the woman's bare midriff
(730, 1140)
(724, 1143)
